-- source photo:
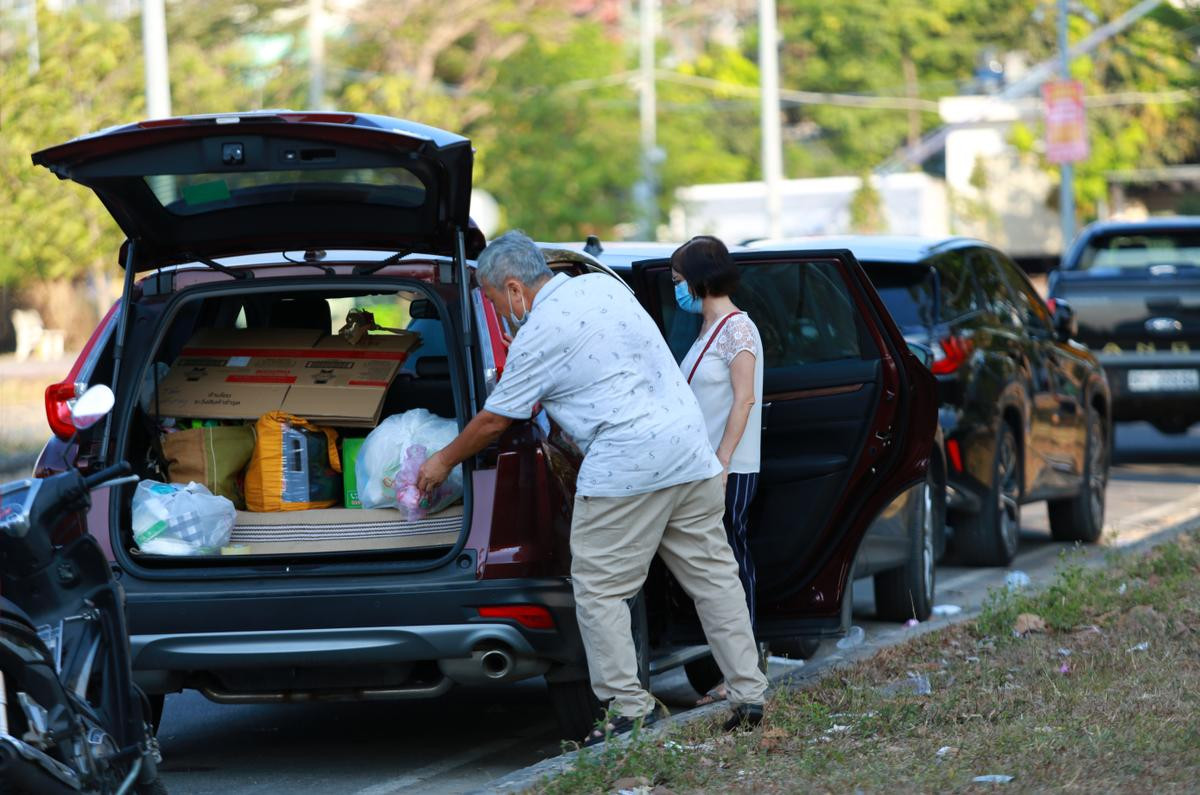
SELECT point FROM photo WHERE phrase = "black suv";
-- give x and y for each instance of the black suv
(1024, 407)
(1135, 289)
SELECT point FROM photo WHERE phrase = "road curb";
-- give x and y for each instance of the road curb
(1155, 526)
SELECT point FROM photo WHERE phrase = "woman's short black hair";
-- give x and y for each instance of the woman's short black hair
(705, 264)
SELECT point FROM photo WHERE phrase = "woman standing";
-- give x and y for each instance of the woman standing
(724, 368)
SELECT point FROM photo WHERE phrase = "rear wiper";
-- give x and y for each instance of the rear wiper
(367, 270)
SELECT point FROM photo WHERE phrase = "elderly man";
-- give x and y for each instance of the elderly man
(649, 482)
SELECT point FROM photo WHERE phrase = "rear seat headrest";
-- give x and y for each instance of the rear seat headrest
(305, 312)
(433, 367)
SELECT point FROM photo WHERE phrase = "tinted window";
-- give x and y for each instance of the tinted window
(193, 194)
(958, 292)
(1032, 311)
(907, 292)
(1141, 249)
(804, 314)
(993, 287)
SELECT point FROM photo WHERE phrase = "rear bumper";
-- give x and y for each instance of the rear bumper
(353, 640)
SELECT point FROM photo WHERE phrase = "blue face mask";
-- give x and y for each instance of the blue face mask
(687, 302)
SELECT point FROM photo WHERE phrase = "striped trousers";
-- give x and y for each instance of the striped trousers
(739, 493)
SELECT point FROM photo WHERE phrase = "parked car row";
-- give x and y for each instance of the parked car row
(896, 372)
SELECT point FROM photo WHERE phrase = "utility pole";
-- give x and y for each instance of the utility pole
(1066, 187)
(33, 49)
(772, 157)
(158, 74)
(316, 55)
(646, 193)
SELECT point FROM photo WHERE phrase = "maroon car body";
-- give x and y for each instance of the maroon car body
(849, 418)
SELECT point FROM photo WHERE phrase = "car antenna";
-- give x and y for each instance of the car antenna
(592, 246)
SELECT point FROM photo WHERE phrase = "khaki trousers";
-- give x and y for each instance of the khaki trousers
(614, 540)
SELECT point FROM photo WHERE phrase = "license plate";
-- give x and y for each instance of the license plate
(1164, 380)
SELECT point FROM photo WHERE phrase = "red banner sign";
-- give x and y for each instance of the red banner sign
(1066, 121)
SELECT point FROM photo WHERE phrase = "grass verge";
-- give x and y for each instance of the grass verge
(1099, 692)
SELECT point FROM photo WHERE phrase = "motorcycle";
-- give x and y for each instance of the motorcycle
(71, 718)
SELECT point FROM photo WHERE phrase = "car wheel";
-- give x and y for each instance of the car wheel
(989, 538)
(575, 703)
(1081, 518)
(703, 674)
(907, 591)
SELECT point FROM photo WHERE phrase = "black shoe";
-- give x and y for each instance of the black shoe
(622, 724)
(745, 716)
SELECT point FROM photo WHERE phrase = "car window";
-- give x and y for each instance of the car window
(804, 314)
(1141, 249)
(993, 288)
(1032, 311)
(907, 292)
(958, 291)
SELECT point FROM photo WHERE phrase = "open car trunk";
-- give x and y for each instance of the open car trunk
(208, 368)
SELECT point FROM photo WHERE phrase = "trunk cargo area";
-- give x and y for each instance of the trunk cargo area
(226, 360)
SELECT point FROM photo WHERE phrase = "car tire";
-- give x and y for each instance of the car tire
(990, 537)
(796, 648)
(1081, 518)
(907, 591)
(703, 674)
(575, 703)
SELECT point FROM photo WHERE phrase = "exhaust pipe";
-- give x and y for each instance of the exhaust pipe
(493, 663)
(496, 663)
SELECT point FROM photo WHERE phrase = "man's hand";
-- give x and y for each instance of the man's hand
(725, 459)
(433, 473)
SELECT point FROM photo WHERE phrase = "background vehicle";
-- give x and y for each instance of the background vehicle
(71, 719)
(903, 542)
(1025, 409)
(1134, 287)
(282, 221)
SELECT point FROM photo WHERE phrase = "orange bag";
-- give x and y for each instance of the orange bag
(295, 465)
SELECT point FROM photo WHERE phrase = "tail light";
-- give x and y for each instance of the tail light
(950, 354)
(59, 399)
(955, 454)
(530, 616)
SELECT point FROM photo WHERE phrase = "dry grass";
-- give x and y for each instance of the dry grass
(1082, 706)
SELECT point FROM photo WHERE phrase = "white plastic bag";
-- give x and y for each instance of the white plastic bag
(172, 519)
(382, 456)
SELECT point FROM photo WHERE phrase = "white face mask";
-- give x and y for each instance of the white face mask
(512, 313)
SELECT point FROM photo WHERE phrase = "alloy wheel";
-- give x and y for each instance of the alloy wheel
(1097, 476)
(927, 529)
(1009, 492)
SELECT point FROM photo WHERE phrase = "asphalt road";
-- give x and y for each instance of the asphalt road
(462, 741)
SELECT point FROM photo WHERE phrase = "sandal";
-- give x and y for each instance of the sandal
(745, 716)
(621, 724)
(718, 693)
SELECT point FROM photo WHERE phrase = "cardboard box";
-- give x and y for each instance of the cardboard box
(244, 373)
(350, 447)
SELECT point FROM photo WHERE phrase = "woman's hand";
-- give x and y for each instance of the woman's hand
(433, 473)
(725, 459)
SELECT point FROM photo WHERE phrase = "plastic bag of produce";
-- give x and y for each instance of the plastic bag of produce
(174, 519)
(387, 464)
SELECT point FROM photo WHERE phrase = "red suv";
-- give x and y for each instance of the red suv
(280, 220)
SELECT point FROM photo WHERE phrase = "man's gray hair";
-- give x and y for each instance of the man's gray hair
(512, 256)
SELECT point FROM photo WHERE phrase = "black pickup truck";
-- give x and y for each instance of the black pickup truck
(1134, 287)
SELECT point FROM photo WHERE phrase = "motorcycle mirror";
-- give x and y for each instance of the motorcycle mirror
(92, 406)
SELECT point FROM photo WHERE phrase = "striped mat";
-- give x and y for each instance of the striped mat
(339, 523)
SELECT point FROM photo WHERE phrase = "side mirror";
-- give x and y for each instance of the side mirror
(92, 406)
(1066, 326)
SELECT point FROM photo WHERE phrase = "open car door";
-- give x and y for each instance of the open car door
(848, 423)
